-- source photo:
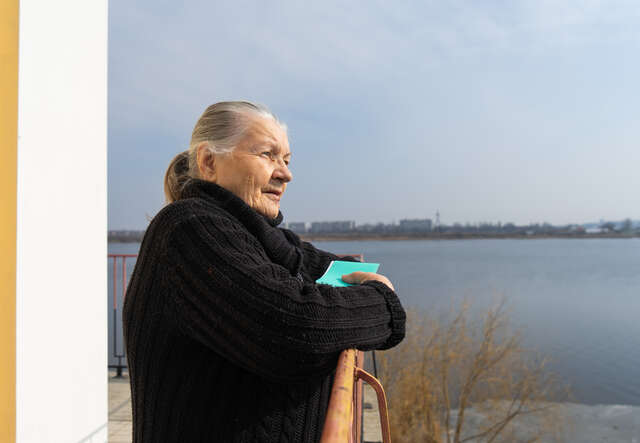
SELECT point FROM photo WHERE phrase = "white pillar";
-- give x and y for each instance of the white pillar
(61, 276)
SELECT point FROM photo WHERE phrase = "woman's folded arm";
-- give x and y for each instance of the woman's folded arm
(228, 295)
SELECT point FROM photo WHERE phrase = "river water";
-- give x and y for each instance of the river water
(576, 301)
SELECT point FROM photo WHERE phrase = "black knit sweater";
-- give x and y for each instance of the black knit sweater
(228, 338)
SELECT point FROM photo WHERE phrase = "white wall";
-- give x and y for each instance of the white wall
(62, 193)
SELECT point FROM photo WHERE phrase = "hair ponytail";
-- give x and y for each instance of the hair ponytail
(176, 176)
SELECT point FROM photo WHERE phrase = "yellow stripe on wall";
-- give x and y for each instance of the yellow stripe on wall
(8, 197)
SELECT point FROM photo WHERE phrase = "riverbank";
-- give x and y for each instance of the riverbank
(136, 237)
(456, 236)
(582, 424)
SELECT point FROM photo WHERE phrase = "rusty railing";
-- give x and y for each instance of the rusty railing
(343, 423)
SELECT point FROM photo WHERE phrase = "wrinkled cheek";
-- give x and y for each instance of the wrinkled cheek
(250, 194)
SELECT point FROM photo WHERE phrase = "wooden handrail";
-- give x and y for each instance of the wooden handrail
(343, 422)
(337, 424)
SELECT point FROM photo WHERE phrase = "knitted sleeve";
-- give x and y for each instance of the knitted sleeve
(229, 296)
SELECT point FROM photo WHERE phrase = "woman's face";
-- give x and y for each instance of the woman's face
(257, 170)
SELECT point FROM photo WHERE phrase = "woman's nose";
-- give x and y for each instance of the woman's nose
(283, 173)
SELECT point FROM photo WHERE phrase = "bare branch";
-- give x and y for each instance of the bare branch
(443, 370)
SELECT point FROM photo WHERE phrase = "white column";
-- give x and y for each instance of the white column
(61, 280)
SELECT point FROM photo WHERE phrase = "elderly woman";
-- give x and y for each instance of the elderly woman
(228, 336)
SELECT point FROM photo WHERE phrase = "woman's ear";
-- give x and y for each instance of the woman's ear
(205, 160)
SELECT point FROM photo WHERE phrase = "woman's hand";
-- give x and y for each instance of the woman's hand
(359, 277)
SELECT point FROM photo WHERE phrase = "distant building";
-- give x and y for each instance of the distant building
(298, 227)
(332, 226)
(416, 224)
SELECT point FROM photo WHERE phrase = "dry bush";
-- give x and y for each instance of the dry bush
(457, 381)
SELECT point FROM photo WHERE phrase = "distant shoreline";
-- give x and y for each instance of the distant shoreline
(456, 236)
(419, 236)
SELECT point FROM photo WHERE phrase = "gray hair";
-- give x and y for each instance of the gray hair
(221, 126)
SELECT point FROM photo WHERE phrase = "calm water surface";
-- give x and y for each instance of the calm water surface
(576, 301)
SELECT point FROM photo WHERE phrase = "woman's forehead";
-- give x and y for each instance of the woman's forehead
(267, 131)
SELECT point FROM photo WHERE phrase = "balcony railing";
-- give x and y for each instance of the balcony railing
(118, 355)
(343, 422)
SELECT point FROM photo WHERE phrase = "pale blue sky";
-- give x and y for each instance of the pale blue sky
(512, 111)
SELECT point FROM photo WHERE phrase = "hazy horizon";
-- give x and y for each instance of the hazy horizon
(395, 221)
(522, 112)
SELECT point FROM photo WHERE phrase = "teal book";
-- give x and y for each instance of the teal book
(333, 275)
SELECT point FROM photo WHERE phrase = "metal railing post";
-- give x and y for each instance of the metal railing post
(120, 356)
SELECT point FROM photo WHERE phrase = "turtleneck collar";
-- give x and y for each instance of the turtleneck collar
(276, 243)
(227, 199)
